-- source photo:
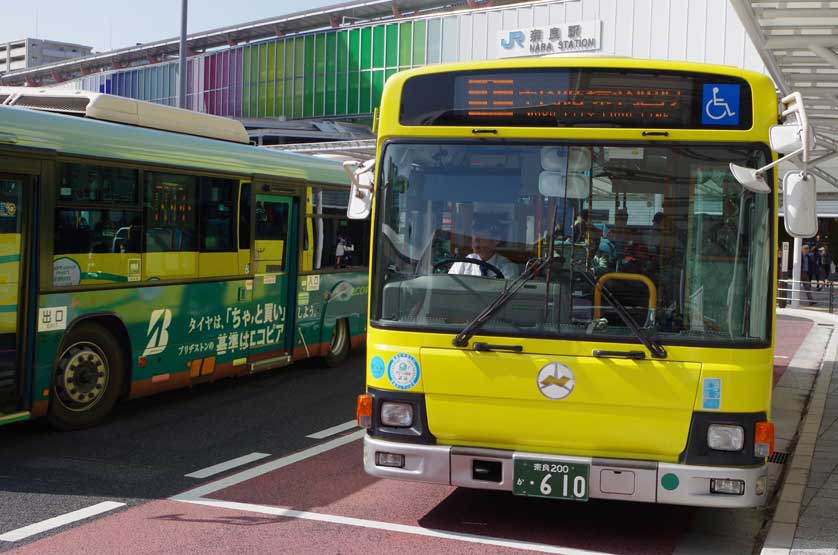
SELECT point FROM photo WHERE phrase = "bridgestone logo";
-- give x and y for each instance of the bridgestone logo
(158, 332)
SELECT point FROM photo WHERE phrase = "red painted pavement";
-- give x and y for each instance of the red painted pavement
(334, 483)
(790, 335)
(173, 528)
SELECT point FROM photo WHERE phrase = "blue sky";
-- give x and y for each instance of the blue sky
(107, 25)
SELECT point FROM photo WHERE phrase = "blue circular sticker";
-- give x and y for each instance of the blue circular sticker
(377, 367)
(403, 371)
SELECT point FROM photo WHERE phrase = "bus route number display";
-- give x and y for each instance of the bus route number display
(577, 97)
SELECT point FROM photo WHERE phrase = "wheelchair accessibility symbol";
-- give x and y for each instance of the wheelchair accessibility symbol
(721, 105)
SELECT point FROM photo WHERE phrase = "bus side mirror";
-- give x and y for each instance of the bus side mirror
(795, 138)
(799, 204)
(361, 188)
(787, 139)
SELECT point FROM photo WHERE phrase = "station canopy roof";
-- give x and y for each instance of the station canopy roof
(334, 16)
(798, 42)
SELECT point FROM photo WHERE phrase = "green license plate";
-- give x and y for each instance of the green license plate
(553, 479)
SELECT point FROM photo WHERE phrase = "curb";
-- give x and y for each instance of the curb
(781, 531)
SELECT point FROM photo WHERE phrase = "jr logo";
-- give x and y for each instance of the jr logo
(515, 37)
(158, 331)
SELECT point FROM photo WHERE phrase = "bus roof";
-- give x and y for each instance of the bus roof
(583, 61)
(75, 136)
(119, 109)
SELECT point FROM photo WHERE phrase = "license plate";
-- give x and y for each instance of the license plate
(553, 479)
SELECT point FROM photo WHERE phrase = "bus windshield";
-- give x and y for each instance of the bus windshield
(663, 230)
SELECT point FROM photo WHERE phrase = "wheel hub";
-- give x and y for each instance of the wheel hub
(84, 377)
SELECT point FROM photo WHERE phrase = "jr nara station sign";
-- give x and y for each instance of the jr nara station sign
(560, 38)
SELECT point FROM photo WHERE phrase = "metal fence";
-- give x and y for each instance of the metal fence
(813, 294)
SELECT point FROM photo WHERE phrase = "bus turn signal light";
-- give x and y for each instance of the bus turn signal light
(764, 439)
(363, 410)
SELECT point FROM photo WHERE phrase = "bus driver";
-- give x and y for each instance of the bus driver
(485, 238)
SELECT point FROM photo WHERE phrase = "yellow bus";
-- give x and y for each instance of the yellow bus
(571, 294)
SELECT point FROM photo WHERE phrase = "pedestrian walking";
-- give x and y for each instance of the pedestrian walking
(807, 265)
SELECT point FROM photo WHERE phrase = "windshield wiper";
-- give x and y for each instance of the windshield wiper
(655, 348)
(461, 339)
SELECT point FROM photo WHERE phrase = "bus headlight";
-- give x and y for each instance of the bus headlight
(398, 415)
(725, 437)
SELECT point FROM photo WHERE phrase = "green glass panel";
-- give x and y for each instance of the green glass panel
(280, 94)
(280, 59)
(331, 65)
(405, 44)
(341, 93)
(343, 75)
(270, 82)
(254, 82)
(319, 73)
(288, 106)
(366, 48)
(419, 30)
(280, 77)
(298, 97)
(389, 73)
(364, 104)
(352, 100)
(342, 51)
(392, 56)
(354, 50)
(246, 82)
(308, 82)
(309, 55)
(378, 46)
(299, 57)
(377, 87)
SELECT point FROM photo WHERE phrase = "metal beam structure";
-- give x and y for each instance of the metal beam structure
(797, 41)
(344, 14)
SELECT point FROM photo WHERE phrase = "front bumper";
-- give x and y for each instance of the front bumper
(629, 480)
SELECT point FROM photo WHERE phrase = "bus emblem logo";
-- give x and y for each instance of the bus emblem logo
(555, 381)
(158, 332)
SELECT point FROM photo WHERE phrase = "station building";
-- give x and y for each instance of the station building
(317, 75)
(338, 72)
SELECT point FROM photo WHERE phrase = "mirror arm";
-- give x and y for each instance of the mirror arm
(781, 159)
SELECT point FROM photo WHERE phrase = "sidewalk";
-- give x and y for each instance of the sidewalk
(805, 519)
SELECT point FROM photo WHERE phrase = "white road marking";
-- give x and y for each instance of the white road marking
(221, 467)
(322, 434)
(196, 497)
(391, 527)
(58, 521)
(251, 473)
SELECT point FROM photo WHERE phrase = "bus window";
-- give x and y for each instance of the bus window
(217, 217)
(272, 217)
(171, 225)
(244, 228)
(331, 240)
(83, 183)
(96, 242)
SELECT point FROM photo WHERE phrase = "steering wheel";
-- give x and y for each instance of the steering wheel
(483, 264)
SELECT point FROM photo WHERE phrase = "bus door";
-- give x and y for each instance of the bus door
(275, 264)
(13, 191)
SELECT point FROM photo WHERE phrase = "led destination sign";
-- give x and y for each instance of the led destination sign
(577, 98)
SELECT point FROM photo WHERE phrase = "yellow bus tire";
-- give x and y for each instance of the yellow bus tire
(88, 378)
(339, 344)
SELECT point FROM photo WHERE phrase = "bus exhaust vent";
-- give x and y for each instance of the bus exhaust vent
(778, 457)
(60, 104)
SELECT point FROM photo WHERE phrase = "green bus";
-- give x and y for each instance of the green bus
(160, 252)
